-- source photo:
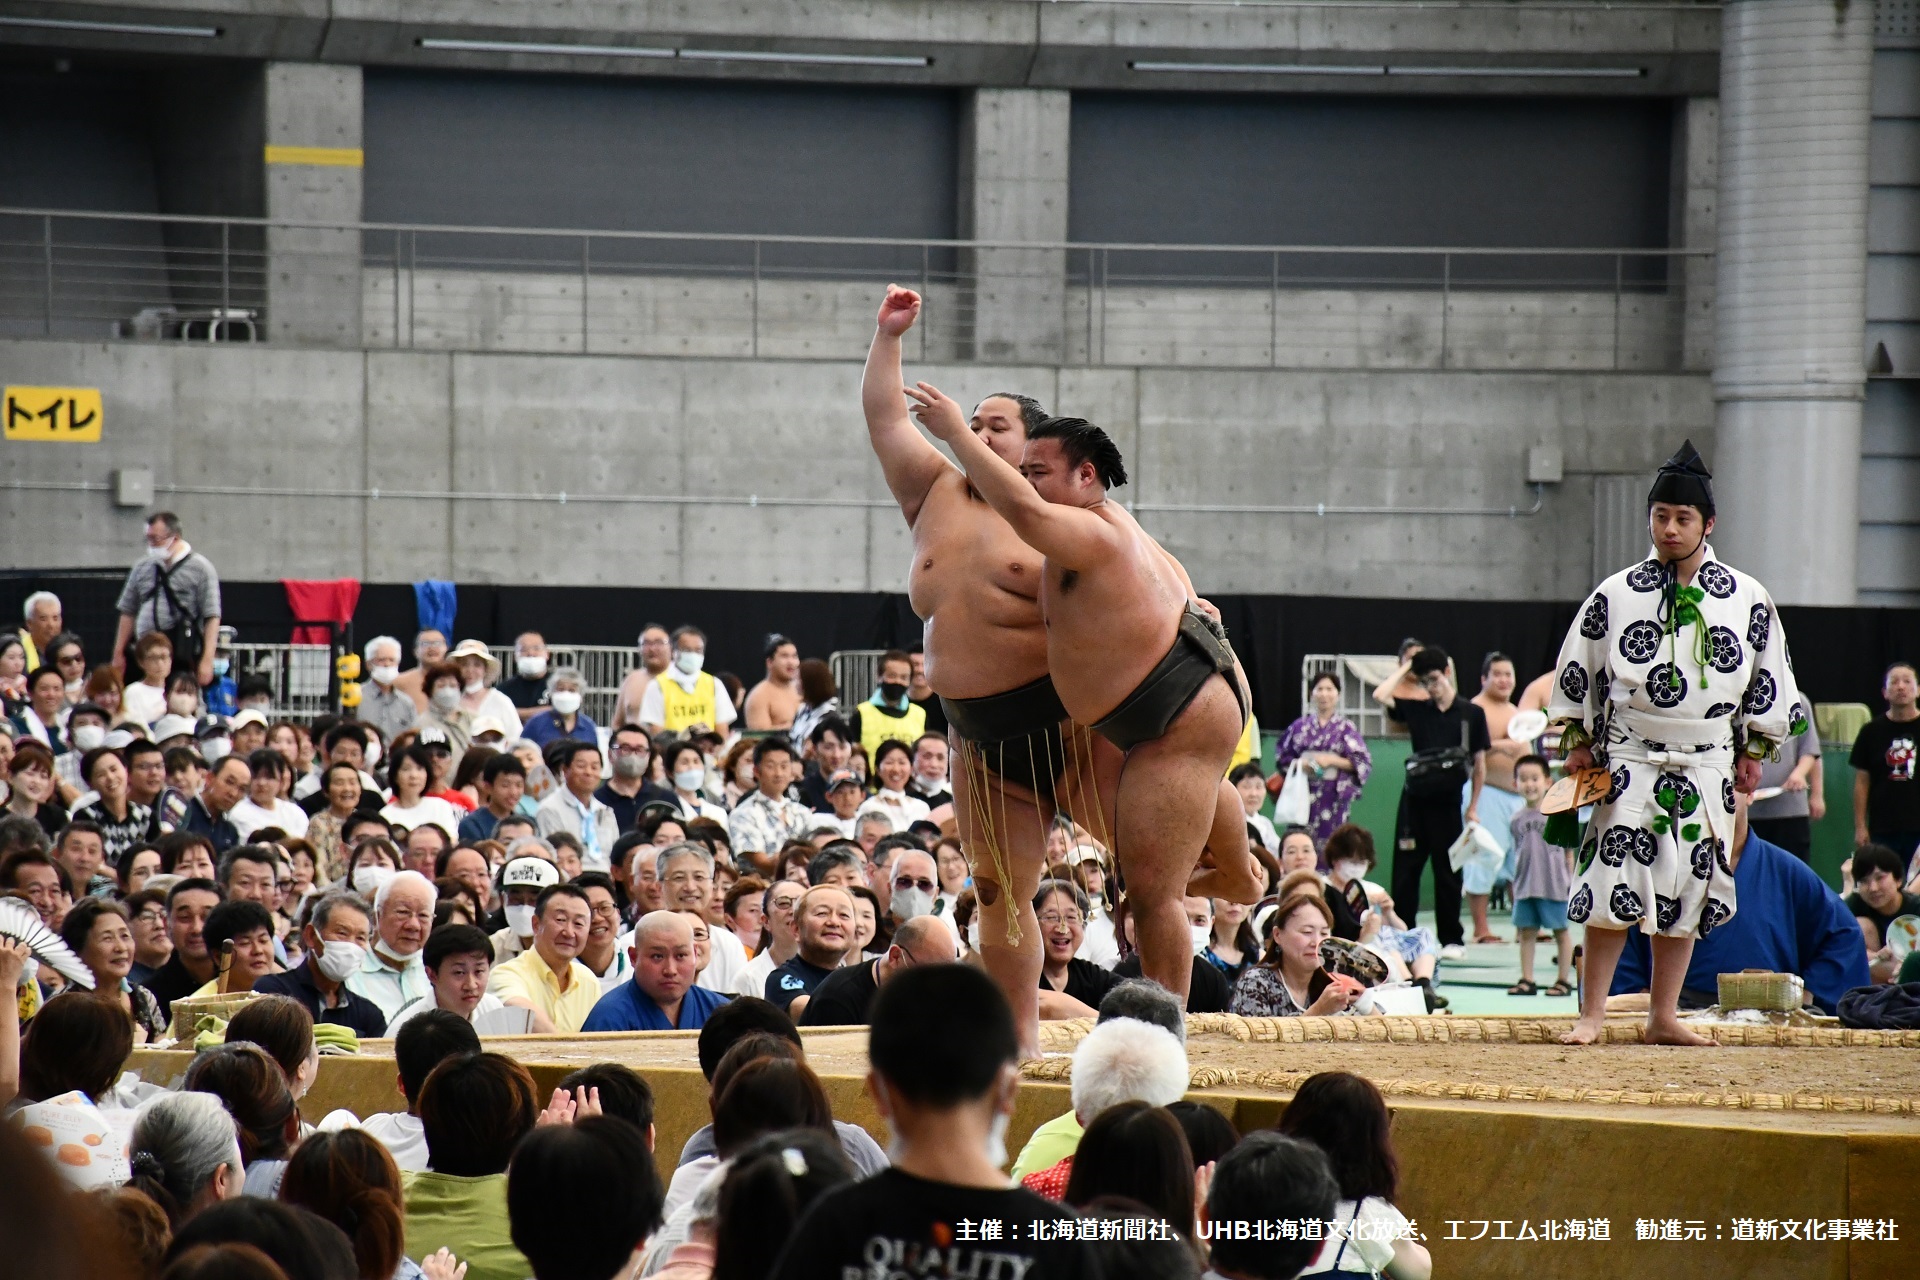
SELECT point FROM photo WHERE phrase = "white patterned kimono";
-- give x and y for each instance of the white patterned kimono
(1668, 726)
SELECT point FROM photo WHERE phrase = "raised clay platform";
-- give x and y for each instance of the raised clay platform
(1494, 1121)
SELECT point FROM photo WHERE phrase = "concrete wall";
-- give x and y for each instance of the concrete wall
(270, 455)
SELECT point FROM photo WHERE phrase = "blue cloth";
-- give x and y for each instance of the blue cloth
(1539, 913)
(545, 728)
(220, 696)
(1787, 921)
(628, 1008)
(436, 602)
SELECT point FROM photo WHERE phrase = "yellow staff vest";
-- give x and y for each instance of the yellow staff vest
(1248, 747)
(680, 708)
(876, 726)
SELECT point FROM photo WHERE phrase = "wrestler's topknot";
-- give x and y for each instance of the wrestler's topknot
(1082, 442)
(1031, 412)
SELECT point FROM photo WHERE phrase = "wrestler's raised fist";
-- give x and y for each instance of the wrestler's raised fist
(898, 310)
(938, 413)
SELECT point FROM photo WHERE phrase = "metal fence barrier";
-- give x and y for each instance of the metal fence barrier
(1355, 672)
(301, 676)
(94, 276)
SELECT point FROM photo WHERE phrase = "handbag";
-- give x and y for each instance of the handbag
(1440, 772)
(1294, 805)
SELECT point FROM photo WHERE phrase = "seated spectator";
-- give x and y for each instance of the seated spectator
(265, 804)
(184, 1154)
(523, 878)
(1345, 1116)
(582, 1199)
(1267, 1178)
(1210, 1135)
(412, 775)
(893, 768)
(282, 1027)
(661, 995)
(1137, 1151)
(189, 902)
(334, 940)
(1069, 986)
(768, 1187)
(944, 1074)
(1877, 900)
(97, 931)
(502, 783)
(1121, 1060)
(824, 928)
(1139, 999)
(1289, 980)
(459, 962)
(392, 974)
(75, 1043)
(474, 1109)
(255, 1093)
(622, 1091)
(562, 717)
(573, 808)
(296, 1243)
(423, 1043)
(349, 1179)
(847, 996)
(239, 937)
(1207, 989)
(779, 935)
(734, 1022)
(139, 1225)
(1788, 921)
(550, 979)
(686, 874)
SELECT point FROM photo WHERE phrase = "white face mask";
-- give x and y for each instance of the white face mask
(474, 686)
(689, 662)
(446, 697)
(973, 932)
(689, 779)
(339, 960)
(73, 690)
(520, 920)
(159, 553)
(398, 957)
(930, 783)
(371, 878)
(182, 704)
(1350, 870)
(530, 668)
(373, 752)
(214, 750)
(1202, 937)
(566, 702)
(88, 736)
(908, 903)
(384, 674)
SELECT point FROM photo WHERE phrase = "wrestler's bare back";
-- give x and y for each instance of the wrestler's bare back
(1109, 623)
(977, 587)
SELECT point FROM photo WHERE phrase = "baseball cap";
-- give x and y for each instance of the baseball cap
(842, 778)
(172, 727)
(433, 736)
(247, 717)
(1083, 853)
(525, 870)
(481, 724)
(210, 727)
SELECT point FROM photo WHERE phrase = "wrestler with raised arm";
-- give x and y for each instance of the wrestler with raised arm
(1134, 654)
(977, 587)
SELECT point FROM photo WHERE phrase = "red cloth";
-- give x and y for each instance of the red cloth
(321, 602)
(1051, 1183)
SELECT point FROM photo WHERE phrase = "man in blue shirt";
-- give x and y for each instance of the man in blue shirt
(1789, 922)
(661, 995)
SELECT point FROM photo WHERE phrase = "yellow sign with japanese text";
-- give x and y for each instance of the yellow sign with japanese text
(70, 414)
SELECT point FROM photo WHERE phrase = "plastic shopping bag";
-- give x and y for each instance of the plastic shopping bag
(1294, 805)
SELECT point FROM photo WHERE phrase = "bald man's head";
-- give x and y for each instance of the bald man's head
(923, 940)
(663, 961)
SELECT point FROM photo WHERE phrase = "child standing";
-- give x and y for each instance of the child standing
(1542, 876)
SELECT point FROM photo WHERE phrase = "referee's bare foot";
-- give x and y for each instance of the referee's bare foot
(1673, 1031)
(1585, 1031)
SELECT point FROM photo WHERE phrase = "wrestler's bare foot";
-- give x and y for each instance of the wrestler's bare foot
(1673, 1031)
(1586, 1031)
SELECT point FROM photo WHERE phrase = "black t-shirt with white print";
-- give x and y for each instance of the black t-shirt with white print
(896, 1225)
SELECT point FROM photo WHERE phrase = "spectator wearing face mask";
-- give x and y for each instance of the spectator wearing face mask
(174, 590)
(686, 699)
(628, 790)
(531, 682)
(335, 941)
(392, 974)
(890, 715)
(382, 704)
(562, 717)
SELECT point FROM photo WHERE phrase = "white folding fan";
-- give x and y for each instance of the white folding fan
(19, 921)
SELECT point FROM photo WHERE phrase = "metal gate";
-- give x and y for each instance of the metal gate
(602, 667)
(301, 676)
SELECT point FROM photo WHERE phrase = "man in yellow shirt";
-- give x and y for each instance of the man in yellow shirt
(549, 977)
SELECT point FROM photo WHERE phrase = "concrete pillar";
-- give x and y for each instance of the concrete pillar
(1696, 208)
(1013, 186)
(1788, 376)
(313, 160)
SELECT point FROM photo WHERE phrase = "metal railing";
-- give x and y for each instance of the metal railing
(602, 668)
(301, 676)
(1356, 689)
(140, 276)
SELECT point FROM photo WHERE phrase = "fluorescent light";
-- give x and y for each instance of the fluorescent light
(690, 55)
(528, 46)
(811, 59)
(1343, 69)
(1262, 68)
(1524, 72)
(111, 28)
